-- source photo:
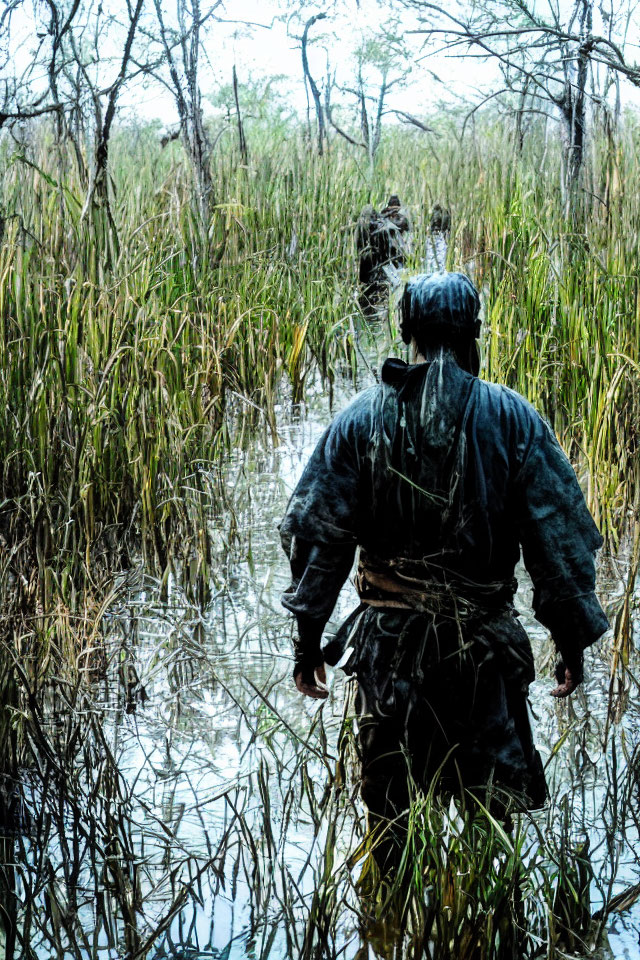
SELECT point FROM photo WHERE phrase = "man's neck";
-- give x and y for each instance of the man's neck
(434, 353)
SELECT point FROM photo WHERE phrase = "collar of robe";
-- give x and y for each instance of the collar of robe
(396, 372)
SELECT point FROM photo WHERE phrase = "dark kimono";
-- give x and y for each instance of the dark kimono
(440, 479)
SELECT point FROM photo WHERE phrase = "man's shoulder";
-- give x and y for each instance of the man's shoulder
(358, 411)
(509, 399)
(505, 411)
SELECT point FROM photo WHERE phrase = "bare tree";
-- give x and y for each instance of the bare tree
(310, 82)
(67, 76)
(182, 49)
(242, 140)
(377, 56)
(97, 195)
(546, 57)
(23, 98)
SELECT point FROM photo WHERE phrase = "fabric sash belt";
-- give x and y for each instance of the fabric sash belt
(395, 584)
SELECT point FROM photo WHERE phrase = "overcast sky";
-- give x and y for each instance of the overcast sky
(271, 47)
(274, 49)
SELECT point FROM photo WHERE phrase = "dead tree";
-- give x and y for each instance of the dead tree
(242, 140)
(97, 199)
(380, 67)
(572, 101)
(20, 101)
(310, 82)
(550, 56)
(182, 54)
(72, 37)
(370, 120)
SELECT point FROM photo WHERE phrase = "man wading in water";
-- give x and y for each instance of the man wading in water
(440, 478)
(383, 240)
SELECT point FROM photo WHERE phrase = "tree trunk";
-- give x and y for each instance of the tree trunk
(377, 130)
(242, 142)
(364, 121)
(574, 117)
(97, 204)
(188, 103)
(315, 93)
(574, 114)
(200, 151)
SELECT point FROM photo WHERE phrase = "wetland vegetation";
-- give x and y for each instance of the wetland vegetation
(164, 791)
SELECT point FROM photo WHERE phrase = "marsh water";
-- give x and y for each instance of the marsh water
(198, 818)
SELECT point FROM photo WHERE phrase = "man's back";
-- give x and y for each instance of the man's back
(439, 475)
(440, 478)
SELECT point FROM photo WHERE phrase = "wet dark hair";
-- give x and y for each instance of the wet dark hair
(441, 310)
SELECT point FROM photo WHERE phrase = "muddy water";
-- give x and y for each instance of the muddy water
(212, 839)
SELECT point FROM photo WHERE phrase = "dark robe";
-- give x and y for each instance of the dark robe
(441, 479)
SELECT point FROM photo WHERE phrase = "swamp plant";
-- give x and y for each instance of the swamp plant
(130, 372)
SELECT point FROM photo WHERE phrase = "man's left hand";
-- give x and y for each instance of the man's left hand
(312, 682)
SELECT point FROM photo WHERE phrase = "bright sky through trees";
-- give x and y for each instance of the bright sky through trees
(262, 39)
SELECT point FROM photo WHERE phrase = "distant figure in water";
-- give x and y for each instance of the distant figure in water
(438, 240)
(440, 220)
(382, 242)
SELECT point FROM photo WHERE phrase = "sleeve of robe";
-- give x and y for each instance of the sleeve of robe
(320, 528)
(559, 541)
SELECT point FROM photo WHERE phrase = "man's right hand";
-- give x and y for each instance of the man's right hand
(569, 679)
(312, 682)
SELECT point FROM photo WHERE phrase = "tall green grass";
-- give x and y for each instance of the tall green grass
(123, 364)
